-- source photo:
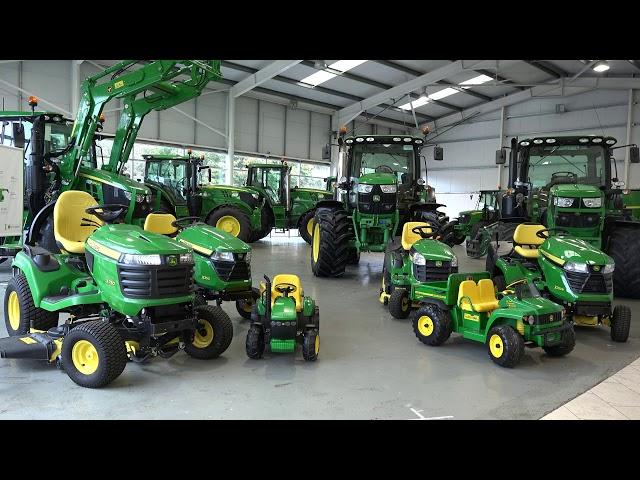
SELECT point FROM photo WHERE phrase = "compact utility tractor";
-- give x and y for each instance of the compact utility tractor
(282, 318)
(568, 270)
(128, 293)
(412, 259)
(222, 262)
(466, 303)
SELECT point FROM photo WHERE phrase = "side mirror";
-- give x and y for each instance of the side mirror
(634, 154)
(438, 153)
(18, 134)
(501, 156)
(326, 152)
(209, 171)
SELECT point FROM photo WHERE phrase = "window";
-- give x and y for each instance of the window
(550, 165)
(383, 158)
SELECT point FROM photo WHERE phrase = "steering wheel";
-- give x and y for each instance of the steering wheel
(384, 169)
(181, 223)
(285, 288)
(544, 234)
(422, 231)
(108, 212)
(564, 174)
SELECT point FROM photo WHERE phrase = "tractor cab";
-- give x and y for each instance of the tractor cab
(272, 179)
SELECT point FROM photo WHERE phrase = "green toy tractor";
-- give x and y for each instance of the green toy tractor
(222, 270)
(128, 293)
(412, 259)
(282, 318)
(568, 270)
(466, 303)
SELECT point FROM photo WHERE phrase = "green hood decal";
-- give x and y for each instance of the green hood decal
(209, 238)
(132, 239)
(434, 250)
(536, 305)
(378, 179)
(575, 190)
(572, 249)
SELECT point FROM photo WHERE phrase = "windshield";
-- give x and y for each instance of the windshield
(486, 200)
(550, 165)
(56, 136)
(170, 173)
(269, 179)
(371, 158)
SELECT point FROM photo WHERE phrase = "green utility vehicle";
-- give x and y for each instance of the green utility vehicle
(466, 303)
(568, 183)
(286, 207)
(222, 262)
(282, 318)
(379, 190)
(177, 189)
(568, 270)
(128, 293)
(414, 258)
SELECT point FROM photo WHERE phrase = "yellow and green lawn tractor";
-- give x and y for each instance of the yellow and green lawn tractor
(128, 293)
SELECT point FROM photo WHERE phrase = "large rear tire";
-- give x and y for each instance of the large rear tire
(20, 313)
(330, 245)
(232, 221)
(624, 247)
(449, 235)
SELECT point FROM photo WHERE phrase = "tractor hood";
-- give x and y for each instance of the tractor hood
(434, 250)
(571, 249)
(206, 189)
(378, 179)
(115, 180)
(313, 191)
(123, 238)
(531, 305)
(575, 190)
(206, 239)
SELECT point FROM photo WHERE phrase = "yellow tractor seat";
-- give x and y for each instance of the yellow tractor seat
(409, 237)
(293, 280)
(71, 224)
(479, 297)
(527, 241)
(160, 223)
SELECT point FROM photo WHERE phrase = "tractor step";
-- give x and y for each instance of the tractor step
(35, 346)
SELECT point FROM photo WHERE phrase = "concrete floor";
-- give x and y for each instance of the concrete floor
(371, 366)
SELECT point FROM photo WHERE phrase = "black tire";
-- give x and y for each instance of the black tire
(449, 236)
(399, 303)
(332, 249)
(166, 207)
(311, 345)
(245, 234)
(203, 347)
(354, 257)
(302, 226)
(45, 238)
(499, 283)
(511, 349)
(267, 222)
(476, 228)
(431, 325)
(620, 323)
(107, 344)
(29, 315)
(199, 300)
(624, 248)
(255, 342)
(244, 306)
(566, 347)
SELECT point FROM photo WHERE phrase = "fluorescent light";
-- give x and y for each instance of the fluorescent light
(344, 65)
(322, 76)
(601, 67)
(479, 80)
(416, 103)
(442, 93)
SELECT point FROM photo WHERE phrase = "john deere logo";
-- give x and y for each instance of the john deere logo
(376, 198)
(596, 268)
(173, 261)
(438, 263)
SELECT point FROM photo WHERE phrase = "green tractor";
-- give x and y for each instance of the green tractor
(466, 303)
(222, 270)
(282, 318)
(330, 184)
(286, 207)
(568, 183)
(128, 293)
(2, 190)
(568, 270)
(177, 189)
(413, 258)
(379, 190)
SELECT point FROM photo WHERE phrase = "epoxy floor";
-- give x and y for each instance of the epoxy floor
(371, 366)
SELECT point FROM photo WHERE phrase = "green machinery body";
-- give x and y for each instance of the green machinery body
(470, 222)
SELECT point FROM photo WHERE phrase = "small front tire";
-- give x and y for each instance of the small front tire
(431, 325)
(214, 335)
(566, 347)
(620, 323)
(399, 303)
(505, 346)
(311, 345)
(244, 306)
(255, 342)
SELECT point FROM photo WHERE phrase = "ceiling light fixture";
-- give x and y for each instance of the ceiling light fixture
(601, 66)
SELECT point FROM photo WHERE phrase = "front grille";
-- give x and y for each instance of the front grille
(592, 282)
(549, 318)
(155, 281)
(577, 220)
(386, 204)
(236, 270)
(432, 272)
(463, 219)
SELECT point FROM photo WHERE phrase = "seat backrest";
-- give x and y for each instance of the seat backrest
(409, 237)
(287, 278)
(71, 224)
(487, 290)
(526, 235)
(160, 223)
(468, 294)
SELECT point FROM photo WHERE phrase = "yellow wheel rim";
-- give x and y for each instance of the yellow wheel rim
(496, 346)
(204, 335)
(405, 304)
(316, 243)
(425, 325)
(248, 305)
(13, 310)
(85, 357)
(317, 346)
(229, 224)
(310, 227)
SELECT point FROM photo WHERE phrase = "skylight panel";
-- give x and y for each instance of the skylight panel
(479, 80)
(442, 93)
(416, 103)
(322, 76)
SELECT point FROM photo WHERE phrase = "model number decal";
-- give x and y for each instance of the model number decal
(108, 281)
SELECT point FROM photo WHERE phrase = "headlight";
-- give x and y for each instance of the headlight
(186, 258)
(223, 256)
(592, 202)
(362, 188)
(563, 202)
(576, 267)
(127, 195)
(454, 261)
(140, 198)
(609, 268)
(388, 188)
(247, 257)
(530, 319)
(131, 259)
(418, 259)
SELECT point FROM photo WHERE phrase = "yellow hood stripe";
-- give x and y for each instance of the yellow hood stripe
(197, 248)
(553, 258)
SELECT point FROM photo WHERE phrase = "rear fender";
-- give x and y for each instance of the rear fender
(42, 284)
(38, 221)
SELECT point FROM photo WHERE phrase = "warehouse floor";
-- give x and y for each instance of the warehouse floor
(370, 366)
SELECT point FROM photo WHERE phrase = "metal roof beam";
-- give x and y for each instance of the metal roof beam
(547, 68)
(261, 76)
